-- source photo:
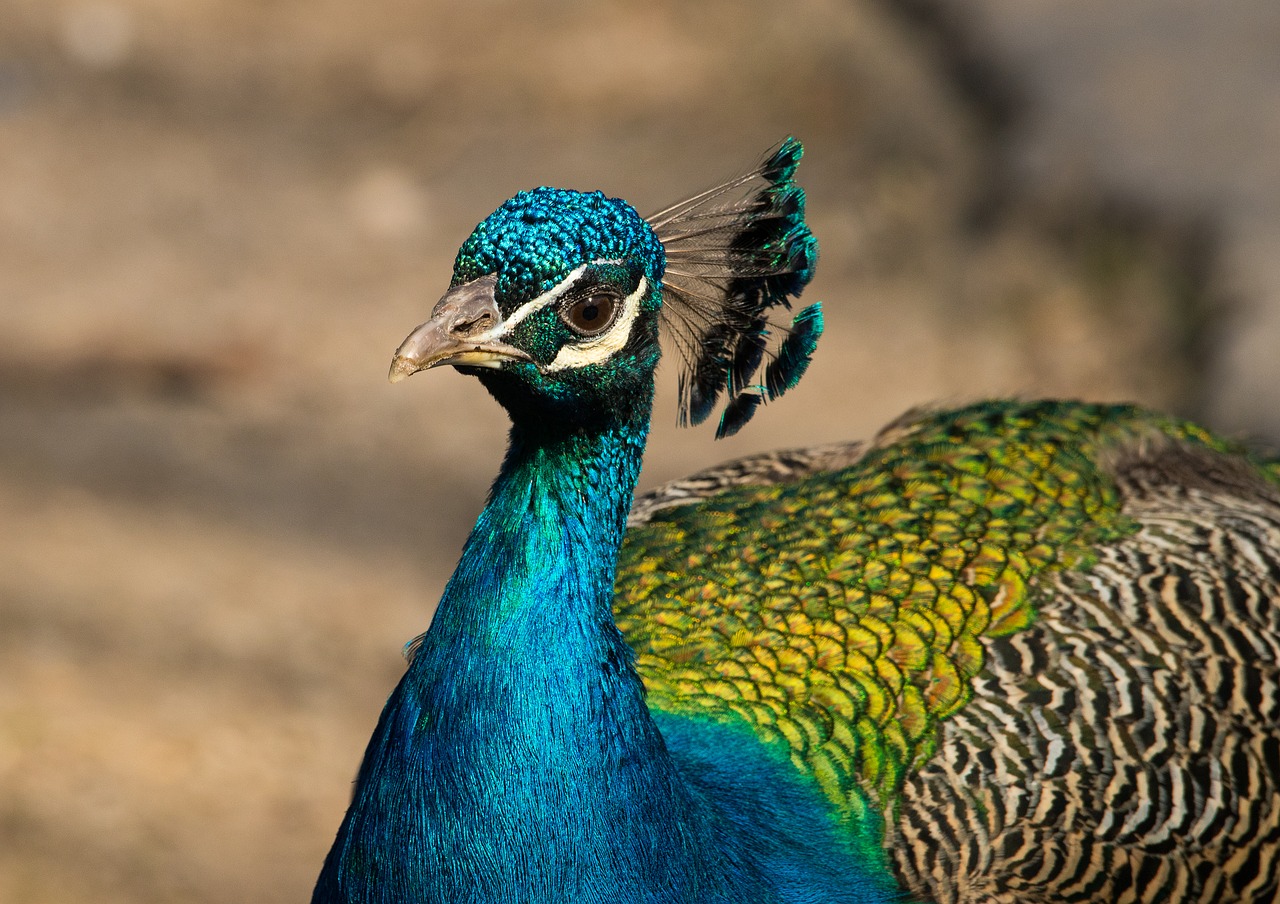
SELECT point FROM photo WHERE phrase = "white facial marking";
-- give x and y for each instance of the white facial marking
(591, 351)
(601, 348)
(532, 307)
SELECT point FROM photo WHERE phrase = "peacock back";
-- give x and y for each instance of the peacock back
(1035, 644)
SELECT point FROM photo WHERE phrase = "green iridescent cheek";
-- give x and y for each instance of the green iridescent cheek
(541, 335)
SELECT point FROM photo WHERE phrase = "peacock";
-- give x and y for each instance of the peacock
(1019, 651)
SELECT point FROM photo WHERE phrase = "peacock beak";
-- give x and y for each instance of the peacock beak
(462, 330)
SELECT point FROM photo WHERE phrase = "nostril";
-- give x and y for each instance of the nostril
(468, 310)
(468, 325)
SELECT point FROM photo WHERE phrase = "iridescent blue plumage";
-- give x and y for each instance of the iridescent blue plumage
(538, 236)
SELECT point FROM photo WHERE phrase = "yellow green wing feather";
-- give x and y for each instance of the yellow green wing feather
(842, 613)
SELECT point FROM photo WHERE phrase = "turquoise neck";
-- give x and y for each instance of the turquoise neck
(543, 553)
(517, 756)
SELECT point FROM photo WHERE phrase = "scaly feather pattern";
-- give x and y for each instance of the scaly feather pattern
(1042, 640)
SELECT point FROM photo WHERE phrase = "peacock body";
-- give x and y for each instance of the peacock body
(1016, 652)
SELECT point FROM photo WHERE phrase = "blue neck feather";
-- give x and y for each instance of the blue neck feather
(517, 762)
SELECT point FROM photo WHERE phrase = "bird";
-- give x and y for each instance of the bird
(1013, 651)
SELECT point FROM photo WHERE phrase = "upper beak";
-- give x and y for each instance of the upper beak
(460, 331)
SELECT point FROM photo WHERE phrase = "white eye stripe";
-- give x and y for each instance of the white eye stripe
(532, 307)
(591, 351)
(607, 344)
(548, 297)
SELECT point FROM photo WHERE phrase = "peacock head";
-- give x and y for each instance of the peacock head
(554, 305)
(558, 296)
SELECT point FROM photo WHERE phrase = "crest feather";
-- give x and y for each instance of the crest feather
(737, 254)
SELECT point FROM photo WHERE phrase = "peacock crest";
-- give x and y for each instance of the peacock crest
(736, 254)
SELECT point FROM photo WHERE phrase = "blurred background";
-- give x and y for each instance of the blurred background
(219, 524)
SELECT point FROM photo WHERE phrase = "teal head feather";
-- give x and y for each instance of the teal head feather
(576, 281)
(538, 236)
(559, 296)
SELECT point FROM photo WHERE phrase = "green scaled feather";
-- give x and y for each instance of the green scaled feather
(842, 614)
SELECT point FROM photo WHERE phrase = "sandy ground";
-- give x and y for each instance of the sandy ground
(217, 219)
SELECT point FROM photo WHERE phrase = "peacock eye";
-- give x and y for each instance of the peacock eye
(590, 315)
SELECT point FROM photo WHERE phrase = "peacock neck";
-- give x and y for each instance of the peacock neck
(543, 554)
(523, 671)
(517, 761)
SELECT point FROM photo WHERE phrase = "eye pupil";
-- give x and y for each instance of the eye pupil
(591, 315)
